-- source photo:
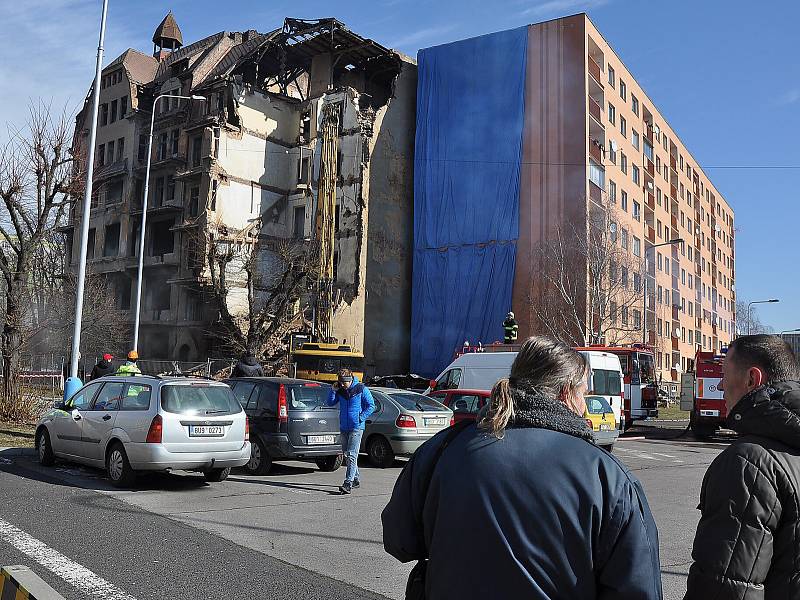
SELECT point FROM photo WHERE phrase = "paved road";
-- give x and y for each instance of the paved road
(183, 530)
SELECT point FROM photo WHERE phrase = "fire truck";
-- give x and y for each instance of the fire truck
(639, 376)
(701, 395)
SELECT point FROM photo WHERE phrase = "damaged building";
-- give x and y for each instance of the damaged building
(253, 151)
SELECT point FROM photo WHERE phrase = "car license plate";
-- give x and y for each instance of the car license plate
(605, 426)
(320, 439)
(433, 422)
(206, 431)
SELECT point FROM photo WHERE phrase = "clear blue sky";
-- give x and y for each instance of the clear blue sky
(724, 73)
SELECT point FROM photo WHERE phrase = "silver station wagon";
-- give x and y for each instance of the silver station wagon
(127, 424)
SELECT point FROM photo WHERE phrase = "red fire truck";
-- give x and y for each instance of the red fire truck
(701, 395)
(639, 376)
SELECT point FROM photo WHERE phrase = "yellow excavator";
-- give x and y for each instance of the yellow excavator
(321, 360)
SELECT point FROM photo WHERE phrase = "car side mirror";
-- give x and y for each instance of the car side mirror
(433, 384)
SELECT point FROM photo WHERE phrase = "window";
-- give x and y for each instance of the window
(637, 246)
(194, 200)
(123, 106)
(612, 315)
(658, 196)
(299, 222)
(197, 149)
(623, 126)
(109, 397)
(103, 114)
(158, 192)
(635, 174)
(111, 242)
(637, 318)
(637, 282)
(612, 114)
(624, 202)
(141, 152)
(101, 155)
(637, 211)
(623, 163)
(83, 398)
(136, 397)
(625, 316)
(635, 105)
(648, 150)
(173, 142)
(612, 153)
(613, 228)
(120, 148)
(597, 175)
(625, 242)
(610, 75)
(612, 192)
(170, 188)
(659, 228)
(635, 139)
(623, 90)
(660, 259)
(114, 192)
(111, 157)
(162, 146)
(114, 105)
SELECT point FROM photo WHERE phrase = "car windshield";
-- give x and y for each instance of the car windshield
(647, 368)
(309, 396)
(199, 399)
(417, 402)
(597, 405)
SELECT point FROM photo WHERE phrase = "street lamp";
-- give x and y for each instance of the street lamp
(750, 308)
(144, 213)
(644, 282)
(73, 383)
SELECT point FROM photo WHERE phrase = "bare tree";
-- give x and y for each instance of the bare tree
(255, 284)
(589, 288)
(36, 180)
(749, 320)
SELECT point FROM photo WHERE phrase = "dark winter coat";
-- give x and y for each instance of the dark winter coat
(540, 514)
(101, 369)
(248, 366)
(747, 545)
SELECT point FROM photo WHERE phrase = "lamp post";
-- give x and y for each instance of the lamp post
(137, 317)
(644, 282)
(750, 309)
(73, 383)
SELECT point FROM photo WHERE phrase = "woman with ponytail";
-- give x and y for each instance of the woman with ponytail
(523, 504)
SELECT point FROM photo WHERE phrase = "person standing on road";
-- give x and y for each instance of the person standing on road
(747, 544)
(130, 367)
(248, 366)
(355, 406)
(103, 367)
(523, 504)
(510, 329)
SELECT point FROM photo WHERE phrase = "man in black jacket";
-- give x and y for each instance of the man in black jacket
(103, 367)
(248, 367)
(748, 541)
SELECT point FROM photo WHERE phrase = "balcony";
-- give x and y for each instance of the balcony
(595, 193)
(119, 167)
(651, 234)
(673, 164)
(595, 152)
(675, 344)
(675, 310)
(595, 71)
(674, 222)
(595, 110)
(650, 201)
(673, 192)
(650, 167)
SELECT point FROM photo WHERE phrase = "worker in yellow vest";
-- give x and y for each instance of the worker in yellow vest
(130, 367)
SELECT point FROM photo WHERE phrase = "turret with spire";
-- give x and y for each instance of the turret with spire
(167, 37)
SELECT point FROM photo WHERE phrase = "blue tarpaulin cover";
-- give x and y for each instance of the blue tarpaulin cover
(470, 112)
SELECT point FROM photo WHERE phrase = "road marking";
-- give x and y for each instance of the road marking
(71, 572)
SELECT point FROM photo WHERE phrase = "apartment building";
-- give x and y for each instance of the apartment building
(594, 113)
(248, 148)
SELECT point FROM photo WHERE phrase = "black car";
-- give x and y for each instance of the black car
(289, 421)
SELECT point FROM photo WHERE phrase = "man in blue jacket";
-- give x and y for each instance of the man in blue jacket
(355, 406)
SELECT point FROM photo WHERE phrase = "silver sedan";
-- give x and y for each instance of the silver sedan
(401, 423)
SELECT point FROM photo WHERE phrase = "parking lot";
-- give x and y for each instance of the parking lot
(296, 515)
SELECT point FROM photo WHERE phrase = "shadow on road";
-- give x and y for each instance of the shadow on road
(308, 487)
(680, 436)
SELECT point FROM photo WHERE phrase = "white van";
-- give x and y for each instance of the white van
(606, 379)
(475, 371)
(480, 371)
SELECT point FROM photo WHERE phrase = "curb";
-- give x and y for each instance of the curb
(21, 583)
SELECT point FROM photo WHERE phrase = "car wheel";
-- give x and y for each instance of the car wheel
(217, 475)
(44, 448)
(260, 461)
(380, 452)
(608, 447)
(118, 468)
(330, 463)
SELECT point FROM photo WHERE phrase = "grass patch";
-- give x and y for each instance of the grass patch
(672, 412)
(16, 435)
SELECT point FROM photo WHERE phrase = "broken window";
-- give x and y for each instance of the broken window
(114, 105)
(162, 146)
(160, 295)
(170, 190)
(142, 152)
(197, 150)
(90, 245)
(299, 229)
(103, 114)
(133, 240)
(194, 200)
(163, 238)
(305, 127)
(138, 195)
(111, 242)
(120, 148)
(123, 106)
(110, 152)
(173, 142)
(101, 155)
(114, 192)
(124, 293)
(304, 170)
(158, 193)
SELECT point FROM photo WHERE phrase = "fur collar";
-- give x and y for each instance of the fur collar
(535, 410)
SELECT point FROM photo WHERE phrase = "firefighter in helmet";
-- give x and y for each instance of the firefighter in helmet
(510, 328)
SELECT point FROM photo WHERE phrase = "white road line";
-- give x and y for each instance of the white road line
(71, 572)
(667, 455)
